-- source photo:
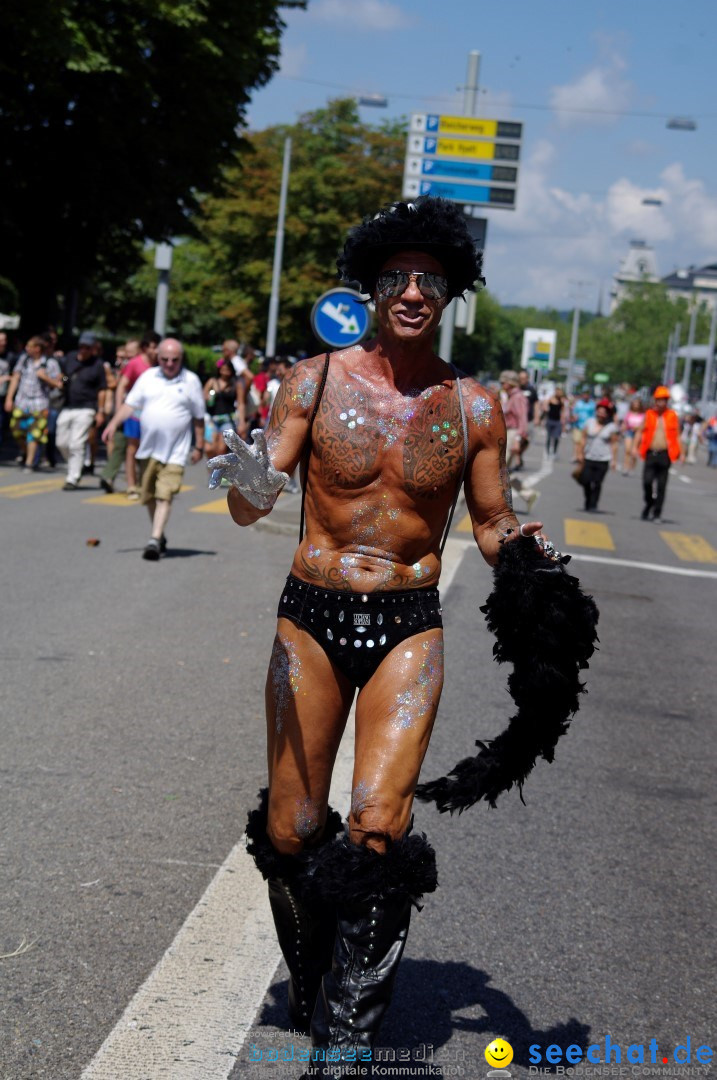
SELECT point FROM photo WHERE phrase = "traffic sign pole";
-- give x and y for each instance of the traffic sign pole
(470, 96)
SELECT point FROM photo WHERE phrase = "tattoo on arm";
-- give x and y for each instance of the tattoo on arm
(506, 490)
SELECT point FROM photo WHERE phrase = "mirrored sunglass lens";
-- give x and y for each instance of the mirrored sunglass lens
(436, 283)
(395, 282)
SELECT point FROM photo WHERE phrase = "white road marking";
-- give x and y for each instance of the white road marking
(656, 567)
(191, 1017)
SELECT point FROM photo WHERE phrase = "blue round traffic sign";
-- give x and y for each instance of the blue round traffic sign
(339, 318)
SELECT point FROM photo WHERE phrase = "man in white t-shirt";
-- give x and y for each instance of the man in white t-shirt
(169, 400)
(232, 355)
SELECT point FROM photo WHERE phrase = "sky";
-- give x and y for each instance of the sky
(594, 85)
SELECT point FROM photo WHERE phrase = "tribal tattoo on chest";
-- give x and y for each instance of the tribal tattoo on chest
(358, 424)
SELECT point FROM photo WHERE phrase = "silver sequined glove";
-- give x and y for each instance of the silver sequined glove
(248, 469)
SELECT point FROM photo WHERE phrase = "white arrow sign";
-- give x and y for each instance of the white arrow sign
(337, 312)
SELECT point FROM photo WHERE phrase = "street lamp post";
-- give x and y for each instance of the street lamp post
(687, 369)
(278, 253)
(573, 349)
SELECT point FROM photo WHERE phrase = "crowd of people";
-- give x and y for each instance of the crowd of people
(54, 401)
(63, 402)
(152, 413)
(606, 431)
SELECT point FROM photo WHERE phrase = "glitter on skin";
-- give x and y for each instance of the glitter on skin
(415, 702)
(304, 393)
(391, 418)
(306, 819)
(360, 798)
(285, 669)
(481, 410)
(313, 553)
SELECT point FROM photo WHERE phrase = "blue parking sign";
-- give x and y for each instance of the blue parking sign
(339, 318)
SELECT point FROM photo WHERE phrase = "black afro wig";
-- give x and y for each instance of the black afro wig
(435, 226)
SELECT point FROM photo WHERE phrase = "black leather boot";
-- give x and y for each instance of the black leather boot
(305, 923)
(373, 895)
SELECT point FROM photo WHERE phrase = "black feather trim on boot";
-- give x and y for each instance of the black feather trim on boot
(272, 863)
(355, 873)
(545, 625)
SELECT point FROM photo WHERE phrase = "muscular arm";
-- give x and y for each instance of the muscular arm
(286, 431)
(487, 487)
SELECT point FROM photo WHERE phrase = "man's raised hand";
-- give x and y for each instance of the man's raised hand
(248, 469)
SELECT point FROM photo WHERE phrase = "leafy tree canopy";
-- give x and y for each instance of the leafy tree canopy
(341, 169)
(113, 115)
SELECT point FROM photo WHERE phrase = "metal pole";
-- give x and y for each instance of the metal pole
(163, 263)
(470, 98)
(673, 359)
(687, 370)
(668, 356)
(470, 90)
(709, 362)
(278, 253)
(161, 303)
(573, 349)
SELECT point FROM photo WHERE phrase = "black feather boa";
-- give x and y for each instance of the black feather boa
(545, 625)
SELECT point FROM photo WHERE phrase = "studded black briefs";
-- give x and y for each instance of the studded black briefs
(357, 630)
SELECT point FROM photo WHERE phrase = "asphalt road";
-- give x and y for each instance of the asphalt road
(132, 745)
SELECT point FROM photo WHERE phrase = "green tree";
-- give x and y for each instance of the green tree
(341, 169)
(113, 116)
(630, 345)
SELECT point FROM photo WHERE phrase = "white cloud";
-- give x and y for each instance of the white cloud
(602, 87)
(693, 209)
(556, 237)
(358, 14)
(626, 214)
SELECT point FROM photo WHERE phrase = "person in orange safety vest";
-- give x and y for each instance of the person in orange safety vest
(658, 442)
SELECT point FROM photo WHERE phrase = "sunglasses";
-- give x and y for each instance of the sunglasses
(169, 359)
(395, 283)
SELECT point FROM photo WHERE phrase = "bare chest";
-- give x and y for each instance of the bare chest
(362, 433)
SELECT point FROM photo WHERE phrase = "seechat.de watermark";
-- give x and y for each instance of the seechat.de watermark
(614, 1059)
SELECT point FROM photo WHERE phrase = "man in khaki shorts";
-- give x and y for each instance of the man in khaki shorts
(170, 401)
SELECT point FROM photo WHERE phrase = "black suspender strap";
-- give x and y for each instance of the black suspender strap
(304, 469)
(464, 426)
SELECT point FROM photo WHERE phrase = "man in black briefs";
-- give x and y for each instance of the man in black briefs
(386, 433)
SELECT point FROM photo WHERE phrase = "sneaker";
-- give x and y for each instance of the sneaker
(69, 486)
(133, 494)
(645, 514)
(162, 544)
(658, 519)
(152, 551)
(107, 485)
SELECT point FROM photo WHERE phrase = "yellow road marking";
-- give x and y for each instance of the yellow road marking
(690, 548)
(32, 487)
(218, 506)
(465, 525)
(592, 534)
(119, 498)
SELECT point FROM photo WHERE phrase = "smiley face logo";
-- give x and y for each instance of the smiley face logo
(499, 1053)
